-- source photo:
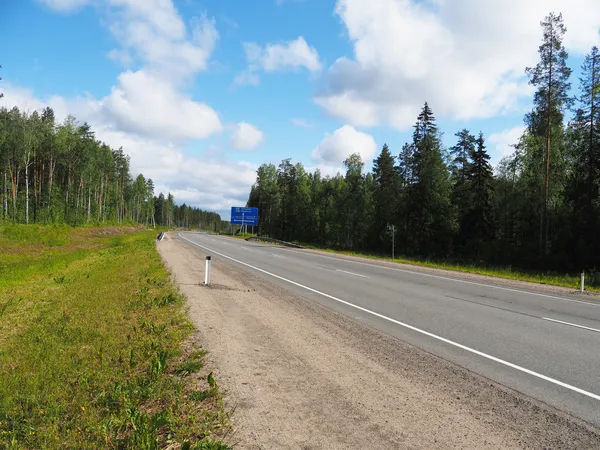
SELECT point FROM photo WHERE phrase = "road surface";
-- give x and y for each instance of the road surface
(545, 346)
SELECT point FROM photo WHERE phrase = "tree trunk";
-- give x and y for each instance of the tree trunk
(50, 175)
(27, 190)
(544, 219)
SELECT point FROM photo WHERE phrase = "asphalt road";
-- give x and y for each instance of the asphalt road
(547, 347)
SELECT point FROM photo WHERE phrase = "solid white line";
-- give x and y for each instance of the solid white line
(410, 327)
(571, 324)
(351, 273)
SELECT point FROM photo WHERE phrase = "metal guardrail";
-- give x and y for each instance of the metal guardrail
(271, 241)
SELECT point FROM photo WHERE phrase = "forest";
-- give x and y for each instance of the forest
(59, 173)
(538, 210)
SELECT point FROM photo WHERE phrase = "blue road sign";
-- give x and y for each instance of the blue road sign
(244, 216)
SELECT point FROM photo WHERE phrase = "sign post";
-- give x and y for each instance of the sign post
(244, 216)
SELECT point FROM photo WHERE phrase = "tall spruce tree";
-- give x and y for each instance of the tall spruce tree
(385, 194)
(551, 78)
(430, 192)
(478, 221)
(461, 200)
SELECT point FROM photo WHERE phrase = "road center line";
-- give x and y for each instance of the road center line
(571, 324)
(410, 327)
(351, 273)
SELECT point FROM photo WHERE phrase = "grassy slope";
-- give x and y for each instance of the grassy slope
(91, 334)
(553, 279)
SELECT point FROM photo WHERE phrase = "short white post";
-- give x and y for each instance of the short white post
(582, 281)
(207, 271)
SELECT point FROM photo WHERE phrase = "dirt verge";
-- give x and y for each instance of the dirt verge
(303, 376)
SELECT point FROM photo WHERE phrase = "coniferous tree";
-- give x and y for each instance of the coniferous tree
(551, 78)
(478, 220)
(430, 192)
(584, 185)
(462, 152)
(385, 196)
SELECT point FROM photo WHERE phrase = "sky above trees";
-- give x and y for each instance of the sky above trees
(200, 93)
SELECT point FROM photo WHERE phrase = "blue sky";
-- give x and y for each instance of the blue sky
(200, 92)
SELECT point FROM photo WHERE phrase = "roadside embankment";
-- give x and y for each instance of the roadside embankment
(96, 349)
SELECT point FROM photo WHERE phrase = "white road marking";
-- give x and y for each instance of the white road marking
(452, 279)
(571, 324)
(351, 273)
(410, 327)
(277, 256)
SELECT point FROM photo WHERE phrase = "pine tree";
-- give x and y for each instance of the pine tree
(385, 196)
(479, 179)
(429, 200)
(461, 200)
(584, 187)
(551, 78)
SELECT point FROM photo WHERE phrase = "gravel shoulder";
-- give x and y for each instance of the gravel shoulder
(302, 376)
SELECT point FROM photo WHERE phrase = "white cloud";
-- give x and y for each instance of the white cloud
(336, 147)
(291, 55)
(500, 144)
(246, 136)
(465, 57)
(148, 110)
(122, 57)
(210, 181)
(301, 123)
(145, 104)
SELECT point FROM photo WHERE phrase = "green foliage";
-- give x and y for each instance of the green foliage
(84, 366)
(539, 210)
(60, 174)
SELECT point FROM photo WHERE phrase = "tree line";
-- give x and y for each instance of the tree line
(539, 210)
(60, 173)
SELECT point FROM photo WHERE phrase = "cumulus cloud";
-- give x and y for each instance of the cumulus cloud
(146, 104)
(336, 147)
(501, 144)
(246, 78)
(246, 136)
(211, 182)
(148, 110)
(291, 55)
(466, 57)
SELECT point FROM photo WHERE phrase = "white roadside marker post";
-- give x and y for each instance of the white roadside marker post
(582, 280)
(207, 271)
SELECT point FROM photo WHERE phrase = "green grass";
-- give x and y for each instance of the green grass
(91, 334)
(554, 279)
